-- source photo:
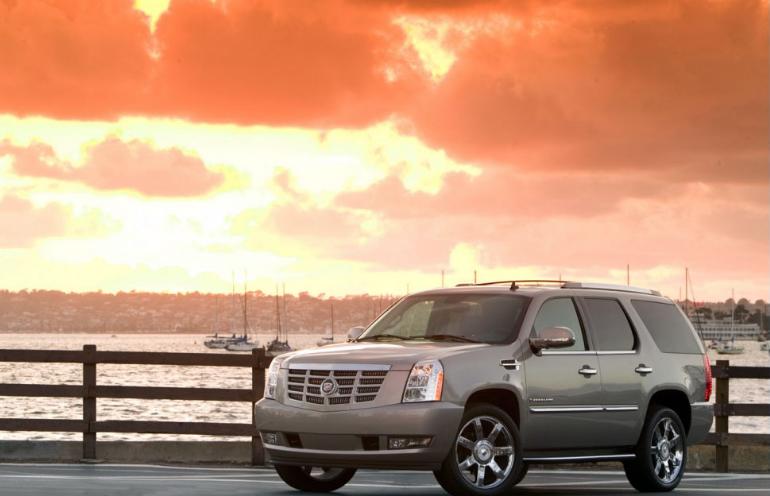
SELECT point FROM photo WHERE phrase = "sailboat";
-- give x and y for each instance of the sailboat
(217, 341)
(729, 347)
(243, 343)
(329, 338)
(281, 343)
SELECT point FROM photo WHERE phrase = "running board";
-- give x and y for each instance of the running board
(570, 459)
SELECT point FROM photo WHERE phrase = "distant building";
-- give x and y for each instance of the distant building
(724, 329)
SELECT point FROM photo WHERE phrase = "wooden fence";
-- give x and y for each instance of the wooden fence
(723, 410)
(90, 391)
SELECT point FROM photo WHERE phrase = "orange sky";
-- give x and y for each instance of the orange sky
(361, 146)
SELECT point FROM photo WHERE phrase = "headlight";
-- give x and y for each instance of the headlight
(425, 383)
(271, 378)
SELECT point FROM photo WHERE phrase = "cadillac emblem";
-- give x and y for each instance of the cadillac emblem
(328, 387)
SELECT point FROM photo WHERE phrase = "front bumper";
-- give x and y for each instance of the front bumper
(702, 415)
(358, 438)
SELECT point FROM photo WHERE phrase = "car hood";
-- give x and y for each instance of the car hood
(400, 356)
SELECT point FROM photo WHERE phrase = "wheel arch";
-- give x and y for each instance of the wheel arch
(502, 397)
(675, 399)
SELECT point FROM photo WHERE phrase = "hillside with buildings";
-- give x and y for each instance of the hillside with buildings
(55, 311)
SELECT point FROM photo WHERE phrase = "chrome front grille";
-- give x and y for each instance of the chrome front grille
(336, 384)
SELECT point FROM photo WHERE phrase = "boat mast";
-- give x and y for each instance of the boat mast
(686, 292)
(732, 315)
(245, 310)
(332, 320)
(277, 316)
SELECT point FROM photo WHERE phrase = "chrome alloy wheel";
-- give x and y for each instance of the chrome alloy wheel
(484, 452)
(667, 450)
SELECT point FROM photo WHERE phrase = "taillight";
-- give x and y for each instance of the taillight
(707, 369)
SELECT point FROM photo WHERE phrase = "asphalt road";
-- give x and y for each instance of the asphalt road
(119, 480)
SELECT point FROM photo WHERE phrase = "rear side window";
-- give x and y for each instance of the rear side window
(610, 328)
(667, 326)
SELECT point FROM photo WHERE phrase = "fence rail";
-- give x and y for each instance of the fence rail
(723, 410)
(90, 391)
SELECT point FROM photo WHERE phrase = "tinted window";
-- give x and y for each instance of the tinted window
(487, 318)
(667, 326)
(610, 328)
(560, 312)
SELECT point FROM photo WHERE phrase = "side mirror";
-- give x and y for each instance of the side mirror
(552, 337)
(355, 333)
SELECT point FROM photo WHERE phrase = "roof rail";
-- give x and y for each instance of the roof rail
(565, 285)
(613, 287)
(516, 284)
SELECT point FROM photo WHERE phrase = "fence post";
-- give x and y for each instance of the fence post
(722, 427)
(89, 401)
(257, 391)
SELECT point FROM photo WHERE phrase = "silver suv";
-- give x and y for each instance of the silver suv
(476, 382)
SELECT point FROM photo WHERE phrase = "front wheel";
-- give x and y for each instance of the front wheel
(661, 453)
(315, 479)
(486, 458)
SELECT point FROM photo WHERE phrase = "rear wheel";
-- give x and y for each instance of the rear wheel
(486, 457)
(315, 479)
(661, 454)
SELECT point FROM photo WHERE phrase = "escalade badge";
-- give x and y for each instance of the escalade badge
(328, 387)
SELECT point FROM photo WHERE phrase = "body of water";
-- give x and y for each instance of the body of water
(741, 390)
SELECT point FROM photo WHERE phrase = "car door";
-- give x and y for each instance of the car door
(563, 386)
(621, 367)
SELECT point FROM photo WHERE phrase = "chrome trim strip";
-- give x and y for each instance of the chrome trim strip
(577, 458)
(580, 409)
(624, 408)
(336, 366)
(554, 352)
(565, 409)
(628, 352)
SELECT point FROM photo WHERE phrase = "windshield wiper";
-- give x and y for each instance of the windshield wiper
(450, 337)
(382, 336)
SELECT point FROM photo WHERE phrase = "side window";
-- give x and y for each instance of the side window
(610, 328)
(561, 312)
(667, 325)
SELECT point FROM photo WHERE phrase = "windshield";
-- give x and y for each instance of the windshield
(477, 318)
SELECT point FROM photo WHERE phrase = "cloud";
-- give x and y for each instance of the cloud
(114, 164)
(21, 223)
(237, 61)
(678, 88)
(73, 59)
(503, 192)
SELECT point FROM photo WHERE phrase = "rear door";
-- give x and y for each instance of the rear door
(622, 368)
(563, 386)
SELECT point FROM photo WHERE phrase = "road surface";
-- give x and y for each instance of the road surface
(120, 480)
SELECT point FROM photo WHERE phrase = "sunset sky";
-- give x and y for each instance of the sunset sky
(353, 146)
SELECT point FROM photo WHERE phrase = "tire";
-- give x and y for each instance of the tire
(661, 454)
(472, 468)
(524, 470)
(315, 479)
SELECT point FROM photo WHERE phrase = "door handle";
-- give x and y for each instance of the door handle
(643, 369)
(588, 371)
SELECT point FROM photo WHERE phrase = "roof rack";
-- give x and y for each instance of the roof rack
(516, 284)
(613, 287)
(566, 285)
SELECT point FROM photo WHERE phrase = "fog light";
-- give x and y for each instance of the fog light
(408, 442)
(271, 438)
